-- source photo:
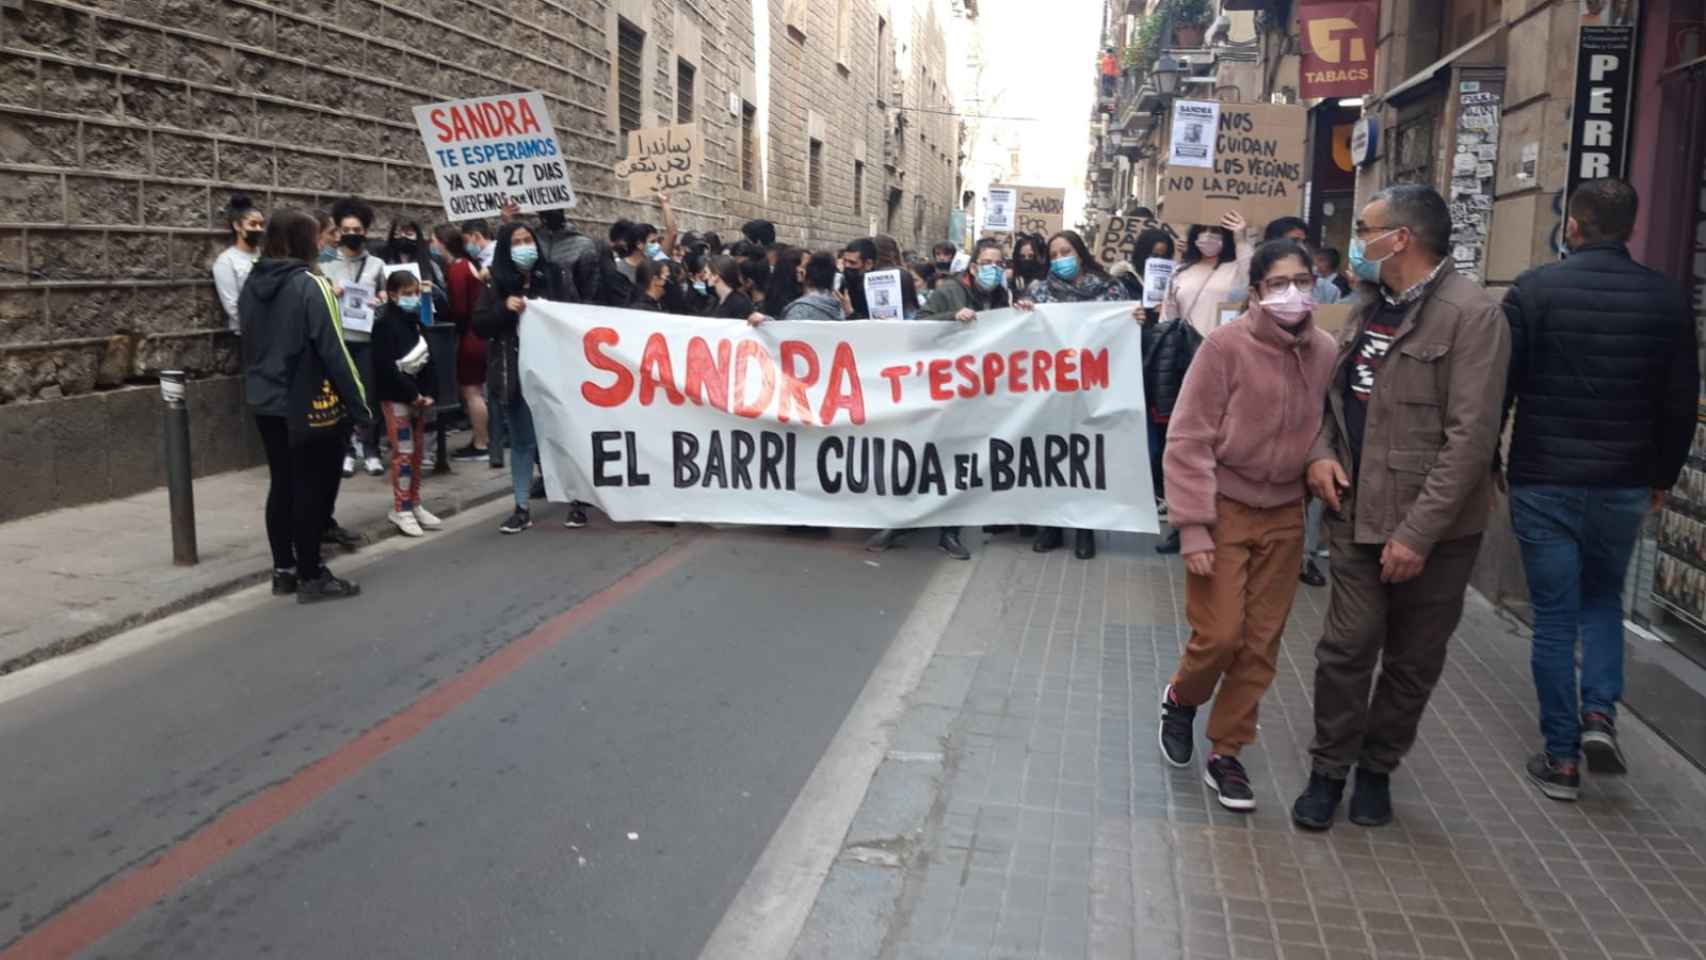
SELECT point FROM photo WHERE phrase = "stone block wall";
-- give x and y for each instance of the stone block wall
(125, 126)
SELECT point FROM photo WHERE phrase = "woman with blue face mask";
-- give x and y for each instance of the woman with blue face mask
(519, 274)
(1073, 277)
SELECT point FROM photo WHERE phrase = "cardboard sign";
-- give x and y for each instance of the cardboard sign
(1332, 317)
(998, 209)
(1193, 138)
(1336, 45)
(1039, 210)
(1257, 171)
(1118, 238)
(662, 158)
(489, 152)
(1227, 312)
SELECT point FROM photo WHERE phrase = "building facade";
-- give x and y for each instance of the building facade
(1481, 99)
(125, 126)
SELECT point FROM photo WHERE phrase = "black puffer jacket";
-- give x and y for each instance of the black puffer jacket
(1168, 349)
(1603, 371)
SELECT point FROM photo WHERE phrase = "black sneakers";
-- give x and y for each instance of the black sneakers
(1231, 784)
(950, 543)
(470, 452)
(283, 583)
(1177, 735)
(341, 536)
(1084, 544)
(884, 540)
(1371, 805)
(576, 517)
(1599, 745)
(325, 587)
(1320, 800)
(1048, 538)
(518, 521)
(1312, 575)
(1557, 779)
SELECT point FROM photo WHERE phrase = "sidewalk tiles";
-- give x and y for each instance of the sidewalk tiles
(1024, 810)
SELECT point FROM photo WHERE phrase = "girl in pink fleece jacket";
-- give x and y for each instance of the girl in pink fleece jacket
(1236, 452)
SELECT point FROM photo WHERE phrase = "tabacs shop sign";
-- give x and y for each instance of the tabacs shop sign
(1336, 46)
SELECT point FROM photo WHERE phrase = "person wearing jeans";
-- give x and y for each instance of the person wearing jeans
(1604, 378)
(1237, 444)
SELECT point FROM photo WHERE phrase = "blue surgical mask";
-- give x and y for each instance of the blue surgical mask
(989, 276)
(699, 287)
(654, 252)
(524, 257)
(409, 303)
(1065, 268)
(1363, 268)
(328, 253)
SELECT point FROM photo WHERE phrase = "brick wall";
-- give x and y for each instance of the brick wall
(126, 124)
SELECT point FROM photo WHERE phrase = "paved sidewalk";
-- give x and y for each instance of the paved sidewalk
(73, 577)
(1024, 810)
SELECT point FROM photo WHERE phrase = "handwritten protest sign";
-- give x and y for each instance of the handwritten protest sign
(1118, 238)
(1258, 168)
(1019, 418)
(489, 152)
(1040, 210)
(662, 158)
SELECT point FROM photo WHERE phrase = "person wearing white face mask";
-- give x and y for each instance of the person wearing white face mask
(1237, 446)
(1211, 272)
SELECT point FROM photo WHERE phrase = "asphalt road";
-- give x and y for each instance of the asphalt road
(567, 743)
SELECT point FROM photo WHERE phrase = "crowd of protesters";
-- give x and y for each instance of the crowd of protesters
(1266, 434)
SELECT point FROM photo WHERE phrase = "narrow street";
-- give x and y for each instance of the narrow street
(629, 715)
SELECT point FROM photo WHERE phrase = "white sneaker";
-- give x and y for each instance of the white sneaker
(349, 466)
(407, 523)
(373, 467)
(424, 517)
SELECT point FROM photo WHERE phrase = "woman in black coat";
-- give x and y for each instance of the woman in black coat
(519, 274)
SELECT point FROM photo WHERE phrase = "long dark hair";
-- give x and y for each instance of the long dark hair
(506, 278)
(292, 234)
(784, 286)
(1146, 242)
(1228, 247)
(1086, 263)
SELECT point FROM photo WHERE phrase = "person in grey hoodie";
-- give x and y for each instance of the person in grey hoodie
(820, 301)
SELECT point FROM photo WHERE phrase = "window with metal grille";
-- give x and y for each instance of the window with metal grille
(748, 147)
(683, 91)
(814, 175)
(630, 44)
(858, 188)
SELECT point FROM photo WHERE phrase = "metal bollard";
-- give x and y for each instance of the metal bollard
(176, 435)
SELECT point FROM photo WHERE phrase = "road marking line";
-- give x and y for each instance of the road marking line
(767, 914)
(84, 923)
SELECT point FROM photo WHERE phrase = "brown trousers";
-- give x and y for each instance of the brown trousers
(1237, 616)
(1405, 628)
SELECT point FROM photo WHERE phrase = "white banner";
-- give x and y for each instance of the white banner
(1015, 418)
(489, 151)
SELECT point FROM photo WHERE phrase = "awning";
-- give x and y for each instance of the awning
(1432, 70)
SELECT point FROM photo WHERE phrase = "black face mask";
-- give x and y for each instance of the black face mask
(1028, 269)
(352, 242)
(253, 237)
(850, 278)
(944, 266)
(406, 246)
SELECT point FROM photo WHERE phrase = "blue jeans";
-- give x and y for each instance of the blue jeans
(522, 447)
(1576, 544)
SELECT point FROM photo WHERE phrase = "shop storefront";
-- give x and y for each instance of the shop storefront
(1666, 593)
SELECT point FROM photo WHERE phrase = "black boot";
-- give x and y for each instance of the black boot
(1319, 802)
(1371, 805)
(325, 587)
(1312, 574)
(1084, 544)
(949, 541)
(885, 540)
(1170, 545)
(1048, 538)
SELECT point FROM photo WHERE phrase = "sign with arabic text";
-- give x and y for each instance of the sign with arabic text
(662, 158)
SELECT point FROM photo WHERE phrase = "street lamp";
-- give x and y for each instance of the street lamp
(1166, 75)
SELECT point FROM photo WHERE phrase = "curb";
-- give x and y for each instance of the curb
(372, 533)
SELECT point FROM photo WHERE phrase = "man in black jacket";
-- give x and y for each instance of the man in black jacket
(1605, 379)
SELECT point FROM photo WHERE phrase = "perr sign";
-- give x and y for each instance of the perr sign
(1599, 125)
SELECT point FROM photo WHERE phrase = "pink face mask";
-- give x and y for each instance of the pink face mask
(1290, 307)
(1210, 245)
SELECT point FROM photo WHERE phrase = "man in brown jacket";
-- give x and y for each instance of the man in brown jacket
(1404, 463)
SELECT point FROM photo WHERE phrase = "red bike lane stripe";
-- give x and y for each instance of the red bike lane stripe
(85, 922)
